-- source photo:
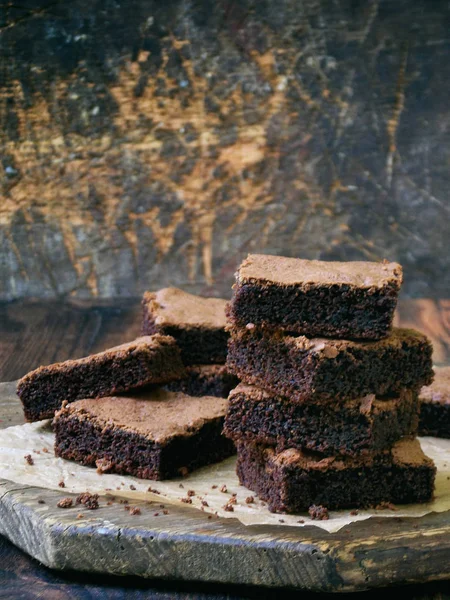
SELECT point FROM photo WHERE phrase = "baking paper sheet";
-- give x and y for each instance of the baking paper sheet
(48, 471)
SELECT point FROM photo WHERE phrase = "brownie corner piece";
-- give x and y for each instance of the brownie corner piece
(291, 481)
(435, 405)
(155, 435)
(317, 298)
(146, 360)
(197, 323)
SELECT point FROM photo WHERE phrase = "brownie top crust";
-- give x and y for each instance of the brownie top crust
(406, 452)
(280, 270)
(174, 307)
(439, 391)
(146, 342)
(157, 414)
(367, 405)
(330, 348)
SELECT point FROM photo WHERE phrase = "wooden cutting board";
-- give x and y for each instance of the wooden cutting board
(187, 545)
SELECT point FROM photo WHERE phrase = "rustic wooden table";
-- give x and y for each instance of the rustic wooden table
(34, 333)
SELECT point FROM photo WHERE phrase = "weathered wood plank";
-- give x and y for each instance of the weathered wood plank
(152, 143)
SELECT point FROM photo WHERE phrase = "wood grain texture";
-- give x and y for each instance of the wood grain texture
(149, 143)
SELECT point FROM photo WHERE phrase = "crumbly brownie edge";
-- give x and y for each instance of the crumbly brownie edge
(107, 375)
(340, 311)
(276, 363)
(435, 419)
(123, 452)
(344, 429)
(294, 490)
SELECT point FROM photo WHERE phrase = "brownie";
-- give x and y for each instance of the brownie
(327, 370)
(205, 380)
(150, 359)
(293, 480)
(155, 435)
(435, 405)
(354, 300)
(352, 427)
(197, 323)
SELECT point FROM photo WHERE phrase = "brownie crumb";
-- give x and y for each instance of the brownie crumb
(109, 503)
(62, 484)
(45, 450)
(353, 512)
(41, 501)
(204, 503)
(89, 500)
(249, 500)
(154, 491)
(181, 485)
(135, 510)
(301, 521)
(224, 489)
(65, 503)
(281, 520)
(126, 507)
(214, 487)
(183, 471)
(165, 512)
(80, 516)
(29, 459)
(38, 452)
(228, 507)
(156, 514)
(190, 493)
(162, 506)
(132, 487)
(103, 465)
(318, 513)
(385, 505)
(186, 500)
(209, 516)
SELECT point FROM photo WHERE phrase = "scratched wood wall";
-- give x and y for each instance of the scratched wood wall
(148, 143)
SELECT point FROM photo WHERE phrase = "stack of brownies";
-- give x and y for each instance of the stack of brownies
(137, 408)
(327, 409)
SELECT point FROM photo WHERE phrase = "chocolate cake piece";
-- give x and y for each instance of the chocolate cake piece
(351, 300)
(146, 360)
(154, 435)
(435, 405)
(326, 370)
(353, 427)
(197, 323)
(292, 480)
(205, 380)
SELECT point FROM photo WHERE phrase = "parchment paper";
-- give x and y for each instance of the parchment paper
(47, 471)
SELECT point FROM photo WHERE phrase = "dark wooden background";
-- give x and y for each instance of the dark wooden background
(148, 143)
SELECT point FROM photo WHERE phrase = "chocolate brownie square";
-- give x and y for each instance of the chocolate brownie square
(354, 300)
(435, 405)
(146, 360)
(197, 323)
(353, 427)
(327, 370)
(154, 435)
(293, 480)
(205, 380)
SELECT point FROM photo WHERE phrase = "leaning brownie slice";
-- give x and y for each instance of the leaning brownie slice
(197, 323)
(156, 435)
(435, 405)
(146, 360)
(353, 300)
(364, 425)
(205, 380)
(326, 370)
(292, 480)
